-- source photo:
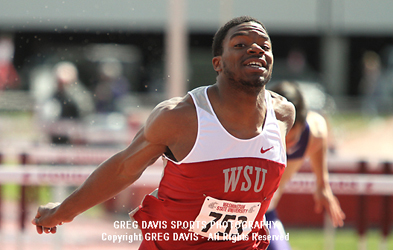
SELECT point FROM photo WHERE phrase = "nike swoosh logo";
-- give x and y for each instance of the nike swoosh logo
(265, 150)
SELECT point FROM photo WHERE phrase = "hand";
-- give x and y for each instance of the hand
(45, 219)
(324, 199)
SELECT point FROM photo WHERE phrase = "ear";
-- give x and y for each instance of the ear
(217, 66)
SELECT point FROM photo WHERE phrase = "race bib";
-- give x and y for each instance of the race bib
(225, 219)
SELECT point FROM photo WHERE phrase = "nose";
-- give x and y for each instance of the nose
(255, 49)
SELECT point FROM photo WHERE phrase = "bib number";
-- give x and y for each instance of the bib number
(225, 219)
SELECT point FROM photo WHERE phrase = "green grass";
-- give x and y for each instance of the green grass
(349, 121)
(40, 195)
(345, 239)
(354, 121)
(344, 123)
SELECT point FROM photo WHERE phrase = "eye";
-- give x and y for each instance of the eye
(265, 47)
(239, 45)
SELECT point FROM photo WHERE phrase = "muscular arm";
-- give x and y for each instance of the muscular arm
(120, 170)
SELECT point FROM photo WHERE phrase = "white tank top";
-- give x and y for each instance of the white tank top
(214, 142)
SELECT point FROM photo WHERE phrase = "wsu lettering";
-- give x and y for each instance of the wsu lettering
(254, 178)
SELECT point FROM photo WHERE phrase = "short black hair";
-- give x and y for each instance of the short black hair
(291, 91)
(222, 32)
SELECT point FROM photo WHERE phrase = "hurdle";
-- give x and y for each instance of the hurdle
(361, 184)
(26, 175)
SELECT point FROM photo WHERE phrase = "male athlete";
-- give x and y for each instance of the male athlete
(308, 139)
(224, 149)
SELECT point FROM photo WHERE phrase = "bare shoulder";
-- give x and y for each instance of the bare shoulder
(284, 110)
(317, 123)
(169, 119)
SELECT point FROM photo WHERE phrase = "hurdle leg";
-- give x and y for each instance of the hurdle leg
(362, 213)
(329, 232)
(386, 211)
(23, 198)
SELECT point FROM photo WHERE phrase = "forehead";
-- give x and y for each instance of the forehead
(247, 29)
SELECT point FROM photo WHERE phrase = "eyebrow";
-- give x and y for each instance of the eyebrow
(242, 33)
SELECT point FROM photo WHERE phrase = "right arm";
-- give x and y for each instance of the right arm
(116, 173)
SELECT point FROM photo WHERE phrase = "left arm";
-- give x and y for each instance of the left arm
(317, 153)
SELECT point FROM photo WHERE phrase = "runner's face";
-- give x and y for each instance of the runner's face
(247, 55)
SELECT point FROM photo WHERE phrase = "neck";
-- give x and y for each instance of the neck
(241, 113)
(245, 96)
(240, 101)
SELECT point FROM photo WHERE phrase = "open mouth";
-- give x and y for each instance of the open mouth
(255, 64)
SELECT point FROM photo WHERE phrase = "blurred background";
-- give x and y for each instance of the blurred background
(78, 79)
